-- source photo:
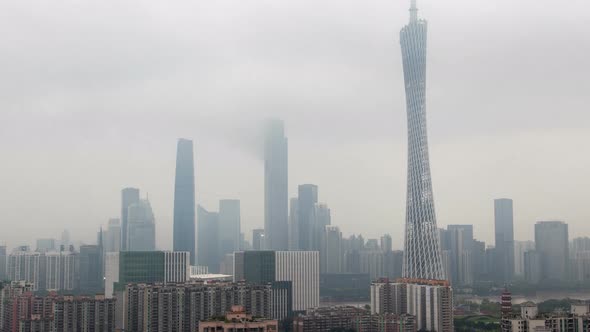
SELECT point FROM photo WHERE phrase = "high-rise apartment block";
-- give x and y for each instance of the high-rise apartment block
(184, 200)
(180, 307)
(276, 187)
(24, 265)
(430, 301)
(22, 311)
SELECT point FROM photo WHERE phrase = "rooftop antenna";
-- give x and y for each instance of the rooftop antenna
(413, 11)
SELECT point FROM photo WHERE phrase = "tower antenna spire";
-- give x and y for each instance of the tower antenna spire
(413, 11)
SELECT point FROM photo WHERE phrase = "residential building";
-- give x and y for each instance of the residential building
(180, 307)
(430, 301)
(238, 320)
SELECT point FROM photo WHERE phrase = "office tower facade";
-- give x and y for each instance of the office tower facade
(460, 239)
(301, 268)
(145, 267)
(422, 255)
(386, 243)
(533, 267)
(504, 237)
(552, 242)
(520, 247)
(294, 224)
(3, 263)
(276, 187)
(579, 244)
(331, 254)
(91, 269)
(129, 196)
(322, 217)
(431, 302)
(24, 265)
(229, 226)
(112, 236)
(141, 227)
(307, 200)
(180, 307)
(184, 199)
(208, 243)
(258, 239)
(65, 238)
(45, 245)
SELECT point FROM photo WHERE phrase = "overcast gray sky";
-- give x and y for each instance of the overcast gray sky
(94, 94)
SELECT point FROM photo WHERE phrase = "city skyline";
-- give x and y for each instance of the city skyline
(110, 153)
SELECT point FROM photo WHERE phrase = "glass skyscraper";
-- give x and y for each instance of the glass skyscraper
(422, 255)
(184, 200)
(275, 188)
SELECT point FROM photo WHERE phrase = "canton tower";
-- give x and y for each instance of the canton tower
(422, 254)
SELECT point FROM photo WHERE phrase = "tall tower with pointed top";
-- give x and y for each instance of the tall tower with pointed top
(184, 200)
(422, 254)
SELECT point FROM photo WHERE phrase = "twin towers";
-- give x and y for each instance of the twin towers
(422, 254)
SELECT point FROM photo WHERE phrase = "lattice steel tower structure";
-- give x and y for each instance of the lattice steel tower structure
(422, 254)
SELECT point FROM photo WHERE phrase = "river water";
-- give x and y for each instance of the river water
(540, 296)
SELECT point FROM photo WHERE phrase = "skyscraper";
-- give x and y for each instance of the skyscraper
(229, 226)
(308, 198)
(112, 236)
(504, 231)
(552, 243)
(275, 187)
(208, 243)
(128, 196)
(422, 255)
(294, 224)
(184, 200)
(141, 227)
(258, 239)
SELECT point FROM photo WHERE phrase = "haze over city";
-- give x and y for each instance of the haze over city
(93, 97)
